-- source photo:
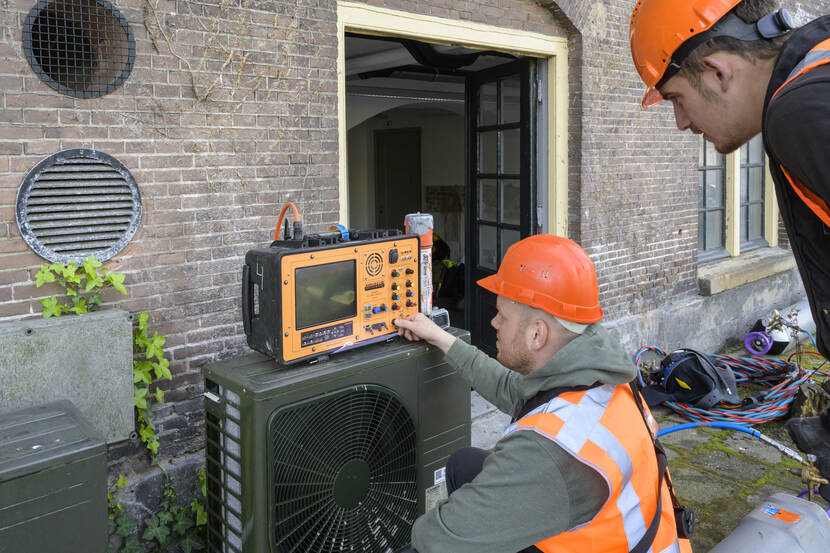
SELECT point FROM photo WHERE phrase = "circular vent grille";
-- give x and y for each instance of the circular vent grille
(374, 264)
(344, 474)
(82, 48)
(78, 203)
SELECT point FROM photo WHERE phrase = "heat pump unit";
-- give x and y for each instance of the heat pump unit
(338, 456)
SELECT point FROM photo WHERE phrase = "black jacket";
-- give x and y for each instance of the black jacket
(796, 129)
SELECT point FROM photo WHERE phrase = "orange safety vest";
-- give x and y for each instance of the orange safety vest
(603, 428)
(818, 56)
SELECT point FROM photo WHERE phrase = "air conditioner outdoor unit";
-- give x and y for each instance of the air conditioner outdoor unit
(339, 456)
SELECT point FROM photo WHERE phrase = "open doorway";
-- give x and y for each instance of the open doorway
(445, 130)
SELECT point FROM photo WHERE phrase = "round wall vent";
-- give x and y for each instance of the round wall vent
(83, 48)
(78, 203)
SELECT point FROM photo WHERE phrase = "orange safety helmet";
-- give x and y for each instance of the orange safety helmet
(664, 32)
(659, 27)
(551, 273)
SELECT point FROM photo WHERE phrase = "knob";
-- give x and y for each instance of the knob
(396, 296)
(409, 293)
(395, 307)
(395, 274)
(408, 283)
(394, 286)
(409, 271)
(376, 310)
(410, 303)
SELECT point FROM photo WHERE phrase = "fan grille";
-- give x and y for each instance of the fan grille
(344, 473)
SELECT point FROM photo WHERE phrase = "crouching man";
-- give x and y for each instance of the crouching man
(576, 471)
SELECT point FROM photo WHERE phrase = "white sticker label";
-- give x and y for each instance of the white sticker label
(435, 495)
(440, 475)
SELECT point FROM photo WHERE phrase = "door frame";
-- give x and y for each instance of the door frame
(372, 20)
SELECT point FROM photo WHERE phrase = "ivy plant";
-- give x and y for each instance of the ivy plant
(82, 286)
(149, 366)
(172, 527)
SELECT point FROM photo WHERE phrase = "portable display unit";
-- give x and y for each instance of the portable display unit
(325, 293)
(338, 456)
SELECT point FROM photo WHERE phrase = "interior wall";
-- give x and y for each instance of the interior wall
(442, 169)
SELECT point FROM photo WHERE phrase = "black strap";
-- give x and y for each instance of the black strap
(544, 396)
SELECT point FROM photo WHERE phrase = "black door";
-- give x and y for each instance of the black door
(397, 175)
(500, 209)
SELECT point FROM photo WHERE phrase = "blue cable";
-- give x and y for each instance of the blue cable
(810, 336)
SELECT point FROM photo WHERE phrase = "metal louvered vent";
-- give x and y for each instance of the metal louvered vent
(78, 203)
(82, 48)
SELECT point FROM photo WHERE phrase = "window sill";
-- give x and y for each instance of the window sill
(724, 274)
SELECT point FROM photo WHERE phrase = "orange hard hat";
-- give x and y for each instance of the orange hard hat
(658, 29)
(551, 273)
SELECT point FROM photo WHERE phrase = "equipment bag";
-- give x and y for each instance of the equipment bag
(688, 376)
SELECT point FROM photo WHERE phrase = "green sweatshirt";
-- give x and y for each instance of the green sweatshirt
(529, 488)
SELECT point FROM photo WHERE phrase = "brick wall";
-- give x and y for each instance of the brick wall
(231, 109)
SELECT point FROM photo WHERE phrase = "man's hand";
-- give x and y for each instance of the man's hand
(420, 327)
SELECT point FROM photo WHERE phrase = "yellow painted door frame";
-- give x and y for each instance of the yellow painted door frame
(371, 20)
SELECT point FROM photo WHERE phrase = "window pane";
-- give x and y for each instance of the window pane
(701, 155)
(713, 158)
(756, 221)
(756, 150)
(745, 154)
(511, 152)
(714, 188)
(701, 189)
(488, 199)
(510, 96)
(511, 202)
(487, 105)
(756, 184)
(487, 247)
(714, 230)
(487, 151)
(508, 238)
(701, 231)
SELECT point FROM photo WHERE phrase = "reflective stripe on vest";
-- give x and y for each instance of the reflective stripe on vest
(603, 428)
(818, 56)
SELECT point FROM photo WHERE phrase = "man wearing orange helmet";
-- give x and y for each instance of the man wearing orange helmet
(576, 470)
(734, 68)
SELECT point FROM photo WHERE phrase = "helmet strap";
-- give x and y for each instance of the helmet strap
(772, 25)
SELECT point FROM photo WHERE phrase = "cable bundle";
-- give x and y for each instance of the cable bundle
(782, 379)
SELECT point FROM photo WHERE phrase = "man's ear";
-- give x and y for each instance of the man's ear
(537, 334)
(721, 69)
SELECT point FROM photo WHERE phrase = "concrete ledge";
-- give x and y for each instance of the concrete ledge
(725, 274)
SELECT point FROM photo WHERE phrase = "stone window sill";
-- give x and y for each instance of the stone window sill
(724, 274)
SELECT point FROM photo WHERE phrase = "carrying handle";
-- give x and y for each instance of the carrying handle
(247, 299)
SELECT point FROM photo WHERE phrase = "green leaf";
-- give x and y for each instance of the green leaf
(141, 372)
(51, 307)
(93, 283)
(159, 395)
(80, 307)
(125, 525)
(153, 446)
(139, 397)
(94, 301)
(191, 542)
(165, 517)
(91, 266)
(142, 322)
(154, 348)
(117, 281)
(199, 509)
(71, 292)
(203, 481)
(43, 275)
(146, 434)
(121, 482)
(132, 545)
(162, 369)
(182, 526)
(68, 272)
(155, 530)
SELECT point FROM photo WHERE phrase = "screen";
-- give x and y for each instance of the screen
(325, 293)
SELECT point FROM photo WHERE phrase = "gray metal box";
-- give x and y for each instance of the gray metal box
(53, 482)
